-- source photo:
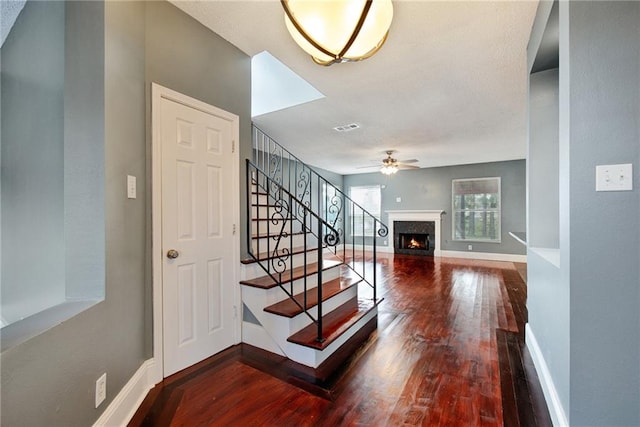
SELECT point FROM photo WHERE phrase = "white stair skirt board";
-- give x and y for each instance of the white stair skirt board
(556, 410)
(256, 336)
(124, 406)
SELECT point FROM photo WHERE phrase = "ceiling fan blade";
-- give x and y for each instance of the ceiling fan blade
(409, 161)
(403, 166)
(367, 167)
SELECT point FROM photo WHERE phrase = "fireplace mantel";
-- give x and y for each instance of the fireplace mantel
(417, 215)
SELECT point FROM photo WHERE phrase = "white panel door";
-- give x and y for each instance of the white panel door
(197, 234)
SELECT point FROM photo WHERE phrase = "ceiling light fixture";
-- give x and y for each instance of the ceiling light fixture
(334, 31)
(389, 169)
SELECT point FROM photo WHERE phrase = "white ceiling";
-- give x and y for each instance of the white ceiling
(448, 87)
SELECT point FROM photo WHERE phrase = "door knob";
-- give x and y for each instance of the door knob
(172, 254)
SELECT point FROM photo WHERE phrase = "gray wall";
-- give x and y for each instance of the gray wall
(53, 171)
(50, 380)
(84, 151)
(584, 312)
(334, 178)
(604, 128)
(32, 161)
(430, 188)
(542, 158)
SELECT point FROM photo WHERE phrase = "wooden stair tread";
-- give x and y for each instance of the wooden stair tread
(266, 282)
(263, 256)
(334, 323)
(288, 308)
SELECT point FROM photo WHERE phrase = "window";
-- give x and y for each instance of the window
(476, 209)
(369, 198)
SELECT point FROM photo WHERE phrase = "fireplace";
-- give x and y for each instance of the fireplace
(431, 218)
(414, 241)
(414, 237)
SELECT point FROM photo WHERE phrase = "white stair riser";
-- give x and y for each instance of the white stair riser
(279, 328)
(294, 241)
(276, 294)
(314, 358)
(289, 262)
(275, 226)
(300, 321)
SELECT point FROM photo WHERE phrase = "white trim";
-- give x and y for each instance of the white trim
(461, 254)
(484, 255)
(157, 94)
(416, 215)
(498, 209)
(551, 255)
(558, 416)
(124, 406)
(379, 248)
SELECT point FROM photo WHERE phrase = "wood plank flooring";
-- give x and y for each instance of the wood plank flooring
(435, 360)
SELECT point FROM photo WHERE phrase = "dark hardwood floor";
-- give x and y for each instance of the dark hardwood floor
(448, 351)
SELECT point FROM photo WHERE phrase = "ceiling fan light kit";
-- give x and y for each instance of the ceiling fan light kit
(391, 165)
(334, 31)
(389, 169)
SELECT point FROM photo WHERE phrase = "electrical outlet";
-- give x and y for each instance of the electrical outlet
(101, 389)
(470, 247)
(131, 187)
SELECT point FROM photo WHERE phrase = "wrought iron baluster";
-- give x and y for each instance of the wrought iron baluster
(375, 265)
(319, 279)
(364, 237)
(291, 238)
(248, 173)
(304, 240)
(268, 221)
(353, 234)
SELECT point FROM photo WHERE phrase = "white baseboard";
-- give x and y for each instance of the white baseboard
(487, 256)
(484, 256)
(126, 403)
(556, 409)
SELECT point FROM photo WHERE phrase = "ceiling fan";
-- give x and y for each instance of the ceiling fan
(390, 165)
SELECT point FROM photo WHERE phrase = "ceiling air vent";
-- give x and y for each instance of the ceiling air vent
(346, 128)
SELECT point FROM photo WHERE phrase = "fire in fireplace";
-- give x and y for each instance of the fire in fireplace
(414, 237)
(414, 241)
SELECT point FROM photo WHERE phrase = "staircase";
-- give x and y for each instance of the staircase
(309, 286)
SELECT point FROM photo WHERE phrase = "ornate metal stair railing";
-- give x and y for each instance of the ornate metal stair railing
(358, 230)
(276, 216)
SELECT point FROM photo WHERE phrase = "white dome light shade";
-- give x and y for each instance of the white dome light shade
(389, 169)
(338, 30)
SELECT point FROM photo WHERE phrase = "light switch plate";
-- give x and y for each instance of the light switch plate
(614, 177)
(131, 187)
(398, 199)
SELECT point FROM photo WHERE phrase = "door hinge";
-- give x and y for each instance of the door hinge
(233, 145)
(234, 229)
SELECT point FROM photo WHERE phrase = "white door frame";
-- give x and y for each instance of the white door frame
(157, 94)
